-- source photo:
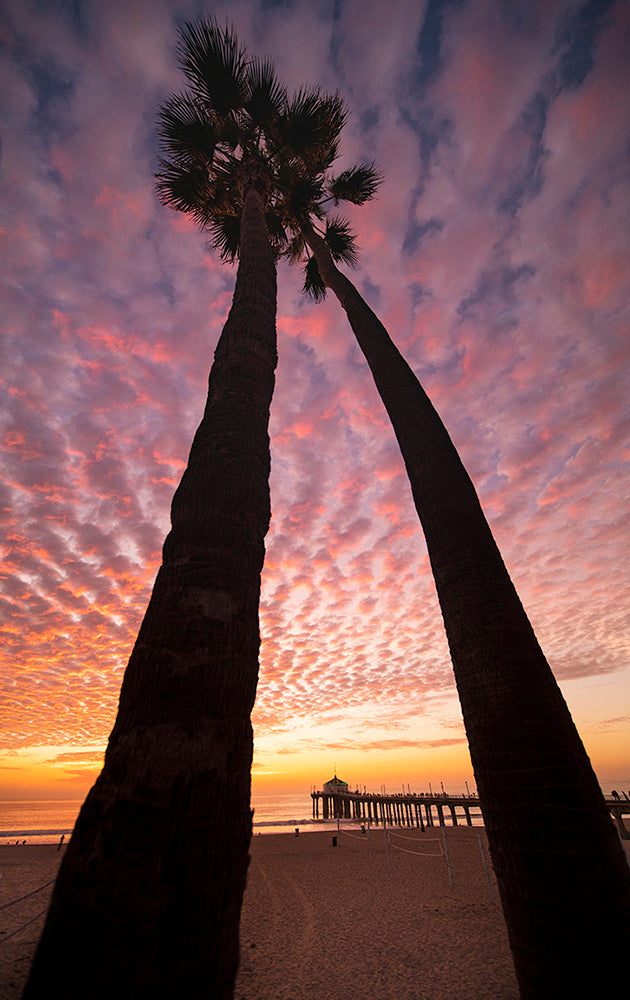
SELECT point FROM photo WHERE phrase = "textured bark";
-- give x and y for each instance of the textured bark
(562, 873)
(147, 901)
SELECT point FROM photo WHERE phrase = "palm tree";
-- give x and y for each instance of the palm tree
(148, 897)
(562, 873)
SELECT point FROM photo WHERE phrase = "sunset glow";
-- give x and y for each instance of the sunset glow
(497, 253)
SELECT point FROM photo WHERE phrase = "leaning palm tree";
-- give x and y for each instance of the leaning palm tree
(148, 897)
(562, 873)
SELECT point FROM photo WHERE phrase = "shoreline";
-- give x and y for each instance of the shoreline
(322, 921)
(35, 838)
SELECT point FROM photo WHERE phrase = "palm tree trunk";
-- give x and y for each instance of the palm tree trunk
(562, 873)
(147, 901)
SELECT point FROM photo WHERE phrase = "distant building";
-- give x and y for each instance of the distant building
(335, 785)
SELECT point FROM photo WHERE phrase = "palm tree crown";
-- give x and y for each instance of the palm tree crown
(236, 124)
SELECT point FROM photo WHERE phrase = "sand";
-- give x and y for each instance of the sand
(23, 871)
(328, 923)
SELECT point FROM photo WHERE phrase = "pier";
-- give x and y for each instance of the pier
(418, 810)
(397, 809)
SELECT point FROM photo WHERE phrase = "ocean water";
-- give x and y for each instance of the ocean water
(36, 822)
(44, 822)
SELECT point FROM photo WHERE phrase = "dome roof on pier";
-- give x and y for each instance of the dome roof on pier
(336, 783)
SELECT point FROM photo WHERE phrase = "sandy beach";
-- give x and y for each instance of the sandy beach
(327, 923)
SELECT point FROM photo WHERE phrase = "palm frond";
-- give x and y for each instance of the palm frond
(246, 135)
(186, 130)
(357, 184)
(226, 167)
(225, 236)
(332, 114)
(313, 283)
(309, 127)
(232, 132)
(222, 199)
(214, 63)
(184, 188)
(319, 212)
(336, 113)
(276, 231)
(285, 174)
(295, 248)
(304, 103)
(303, 194)
(341, 241)
(266, 96)
(327, 157)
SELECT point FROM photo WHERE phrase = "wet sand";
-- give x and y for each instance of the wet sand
(327, 923)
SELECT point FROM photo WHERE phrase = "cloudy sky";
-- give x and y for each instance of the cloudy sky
(497, 255)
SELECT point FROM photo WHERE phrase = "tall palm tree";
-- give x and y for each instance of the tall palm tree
(148, 897)
(562, 873)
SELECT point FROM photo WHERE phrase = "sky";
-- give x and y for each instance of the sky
(497, 254)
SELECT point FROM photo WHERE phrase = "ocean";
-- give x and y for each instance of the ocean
(45, 822)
